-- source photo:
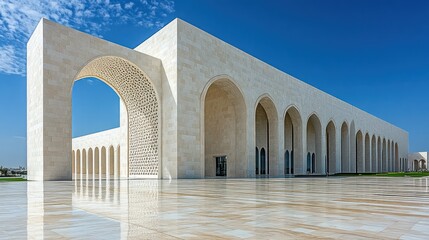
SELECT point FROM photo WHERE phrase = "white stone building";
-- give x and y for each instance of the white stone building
(418, 161)
(192, 106)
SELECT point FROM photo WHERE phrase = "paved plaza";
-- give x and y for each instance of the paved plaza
(292, 208)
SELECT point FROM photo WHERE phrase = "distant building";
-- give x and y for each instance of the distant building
(192, 106)
(418, 161)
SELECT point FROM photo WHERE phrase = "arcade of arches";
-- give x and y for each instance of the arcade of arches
(225, 127)
(328, 149)
(96, 163)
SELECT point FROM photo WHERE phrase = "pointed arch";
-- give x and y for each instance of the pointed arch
(384, 157)
(90, 160)
(314, 143)
(266, 128)
(293, 139)
(389, 156)
(373, 154)
(84, 166)
(345, 140)
(103, 165)
(223, 123)
(96, 163)
(359, 153)
(367, 154)
(331, 148)
(379, 155)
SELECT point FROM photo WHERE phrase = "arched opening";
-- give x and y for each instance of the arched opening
(140, 127)
(373, 154)
(266, 122)
(90, 163)
(352, 134)
(293, 139)
(345, 160)
(367, 153)
(97, 163)
(389, 156)
(401, 165)
(379, 156)
(314, 144)
(384, 164)
(224, 127)
(331, 149)
(84, 166)
(416, 165)
(359, 153)
(111, 163)
(422, 165)
(103, 164)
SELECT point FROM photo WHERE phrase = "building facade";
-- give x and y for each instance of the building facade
(417, 161)
(193, 106)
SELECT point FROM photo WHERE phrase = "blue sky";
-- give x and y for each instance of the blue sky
(370, 53)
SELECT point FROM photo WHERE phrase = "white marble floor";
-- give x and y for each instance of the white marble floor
(293, 208)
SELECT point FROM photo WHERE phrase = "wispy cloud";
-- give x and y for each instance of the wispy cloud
(18, 18)
(19, 137)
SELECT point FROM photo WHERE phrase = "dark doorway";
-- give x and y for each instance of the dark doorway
(221, 166)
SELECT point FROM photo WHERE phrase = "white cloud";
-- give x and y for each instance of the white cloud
(128, 5)
(19, 137)
(18, 18)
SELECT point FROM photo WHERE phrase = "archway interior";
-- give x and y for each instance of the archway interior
(373, 154)
(224, 131)
(345, 168)
(95, 108)
(262, 141)
(384, 163)
(292, 141)
(314, 145)
(140, 141)
(389, 157)
(331, 149)
(367, 154)
(266, 137)
(379, 156)
(359, 153)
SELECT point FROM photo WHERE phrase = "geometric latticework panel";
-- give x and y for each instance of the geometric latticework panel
(139, 96)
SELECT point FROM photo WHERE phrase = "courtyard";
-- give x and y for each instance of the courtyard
(335, 207)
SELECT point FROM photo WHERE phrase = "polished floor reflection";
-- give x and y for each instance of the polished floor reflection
(293, 208)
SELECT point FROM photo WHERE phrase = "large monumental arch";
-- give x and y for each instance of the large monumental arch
(59, 56)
